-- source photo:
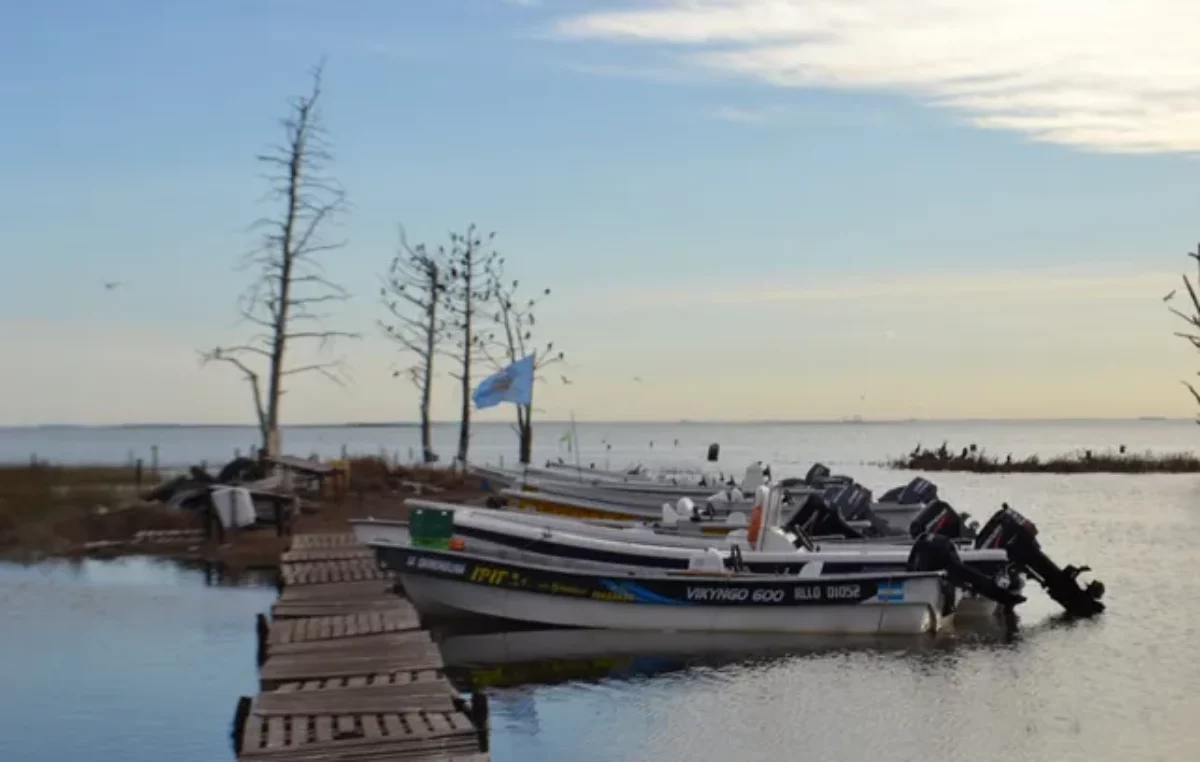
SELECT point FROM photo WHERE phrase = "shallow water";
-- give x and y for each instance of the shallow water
(129, 660)
(1120, 687)
(137, 660)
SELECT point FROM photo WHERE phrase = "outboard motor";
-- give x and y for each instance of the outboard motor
(1017, 535)
(917, 492)
(937, 518)
(817, 475)
(792, 482)
(853, 501)
(934, 552)
(816, 517)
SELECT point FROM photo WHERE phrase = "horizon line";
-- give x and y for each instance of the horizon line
(613, 422)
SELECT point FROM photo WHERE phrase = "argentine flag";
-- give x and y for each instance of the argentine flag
(513, 384)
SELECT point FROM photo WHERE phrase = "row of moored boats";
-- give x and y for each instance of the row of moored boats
(566, 546)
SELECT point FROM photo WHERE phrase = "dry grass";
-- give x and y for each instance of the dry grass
(369, 473)
(49, 509)
(62, 510)
(977, 460)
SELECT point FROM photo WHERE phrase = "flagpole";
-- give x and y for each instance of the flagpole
(575, 442)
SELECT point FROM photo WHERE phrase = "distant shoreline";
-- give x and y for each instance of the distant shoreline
(567, 422)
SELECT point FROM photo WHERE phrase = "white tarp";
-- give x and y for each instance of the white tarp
(235, 508)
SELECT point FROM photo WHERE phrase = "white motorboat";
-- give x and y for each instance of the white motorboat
(449, 583)
(989, 570)
(642, 500)
(776, 547)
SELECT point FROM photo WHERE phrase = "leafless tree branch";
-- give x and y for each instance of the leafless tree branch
(289, 280)
(413, 292)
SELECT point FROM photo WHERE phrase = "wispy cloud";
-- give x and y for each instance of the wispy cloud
(745, 115)
(678, 74)
(1066, 284)
(806, 115)
(1118, 76)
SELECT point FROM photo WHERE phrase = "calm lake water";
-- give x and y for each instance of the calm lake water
(135, 660)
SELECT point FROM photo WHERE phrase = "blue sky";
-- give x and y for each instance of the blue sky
(762, 209)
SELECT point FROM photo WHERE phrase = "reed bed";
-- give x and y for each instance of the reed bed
(977, 460)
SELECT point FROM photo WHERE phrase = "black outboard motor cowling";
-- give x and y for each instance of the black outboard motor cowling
(853, 501)
(918, 491)
(817, 474)
(937, 518)
(817, 518)
(1017, 535)
(935, 552)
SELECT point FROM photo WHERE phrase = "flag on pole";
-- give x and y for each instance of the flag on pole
(513, 384)
(568, 438)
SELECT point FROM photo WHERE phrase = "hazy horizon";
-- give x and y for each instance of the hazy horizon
(592, 421)
(745, 209)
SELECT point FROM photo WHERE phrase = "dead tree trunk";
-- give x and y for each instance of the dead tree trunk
(283, 299)
(416, 283)
(470, 267)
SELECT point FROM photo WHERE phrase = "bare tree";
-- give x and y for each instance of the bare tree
(1192, 319)
(467, 294)
(290, 288)
(515, 320)
(412, 292)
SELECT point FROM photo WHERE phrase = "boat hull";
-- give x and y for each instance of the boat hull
(444, 583)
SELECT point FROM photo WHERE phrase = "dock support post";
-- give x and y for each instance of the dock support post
(263, 631)
(240, 715)
(479, 717)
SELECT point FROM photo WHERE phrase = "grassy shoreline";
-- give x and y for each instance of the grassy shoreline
(977, 460)
(49, 510)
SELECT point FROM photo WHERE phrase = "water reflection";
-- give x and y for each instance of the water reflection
(154, 571)
(482, 658)
(130, 659)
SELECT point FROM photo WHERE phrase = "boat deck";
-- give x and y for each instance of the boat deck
(346, 672)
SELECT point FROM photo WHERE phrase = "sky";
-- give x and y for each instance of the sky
(744, 209)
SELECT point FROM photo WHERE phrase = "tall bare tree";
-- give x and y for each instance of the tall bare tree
(413, 291)
(467, 293)
(1192, 319)
(515, 319)
(290, 289)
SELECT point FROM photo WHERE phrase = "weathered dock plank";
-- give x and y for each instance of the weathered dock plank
(424, 690)
(318, 665)
(334, 607)
(395, 734)
(378, 588)
(363, 643)
(401, 618)
(347, 673)
(344, 553)
(323, 540)
(333, 572)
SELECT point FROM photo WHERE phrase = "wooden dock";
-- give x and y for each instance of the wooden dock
(347, 673)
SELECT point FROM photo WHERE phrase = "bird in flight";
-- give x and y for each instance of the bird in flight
(112, 284)
(638, 379)
(1167, 298)
(566, 380)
